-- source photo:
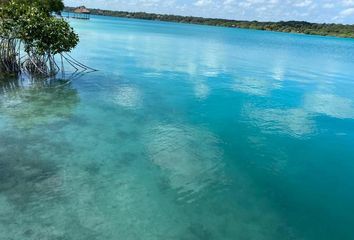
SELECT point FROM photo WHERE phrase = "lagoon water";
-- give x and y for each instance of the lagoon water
(186, 132)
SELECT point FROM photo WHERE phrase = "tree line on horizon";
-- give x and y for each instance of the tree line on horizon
(324, 29)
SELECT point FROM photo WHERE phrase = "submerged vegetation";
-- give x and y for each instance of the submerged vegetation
(31, 37)
(339, 30)
(32, 102)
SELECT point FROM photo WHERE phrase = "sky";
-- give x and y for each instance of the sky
(338, 11)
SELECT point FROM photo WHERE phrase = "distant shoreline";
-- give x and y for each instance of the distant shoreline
(322, 29)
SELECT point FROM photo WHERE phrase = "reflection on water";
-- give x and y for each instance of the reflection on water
(294, 122)
(201, 90)
(300, 122)
(278, 73)
(253, 86)
(127, 96)
(330, 105)
(189, 157)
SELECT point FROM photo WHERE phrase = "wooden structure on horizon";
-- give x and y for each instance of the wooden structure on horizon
(81, 13)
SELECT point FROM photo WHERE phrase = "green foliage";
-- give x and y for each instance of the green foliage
(2, 2)
(338, 30)
(57, 37)
(54, 5)
(47, 6)
(40, 32)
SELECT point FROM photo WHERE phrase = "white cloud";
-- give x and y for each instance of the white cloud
(328, 5)
(347, 12)
(202, 3)
(348, 2)
(303, 3)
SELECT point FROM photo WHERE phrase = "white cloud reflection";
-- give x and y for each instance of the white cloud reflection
(188, 156)
(196, 62)
(278, 73)
(201, 90)
(127, 96)
(293, 122)
(300, 122)
(255, 86)
(330, 105)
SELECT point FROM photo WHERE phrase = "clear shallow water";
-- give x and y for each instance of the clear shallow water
(186, 132)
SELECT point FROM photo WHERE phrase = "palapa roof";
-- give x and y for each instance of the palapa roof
(82, 9)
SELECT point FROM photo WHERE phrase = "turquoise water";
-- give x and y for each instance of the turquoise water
(186, 132)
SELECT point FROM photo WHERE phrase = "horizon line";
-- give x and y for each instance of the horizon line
(216, 18)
